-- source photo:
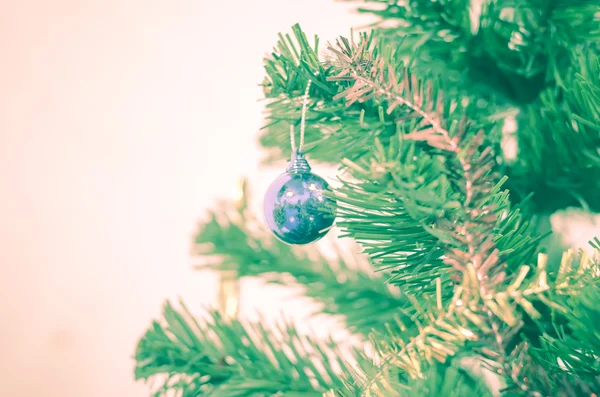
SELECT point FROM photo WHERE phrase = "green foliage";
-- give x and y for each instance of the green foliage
(332, 131)
(487, 325)
(449, 380)
(486, 306)
(561, 360)
(409, 198)
(235, 240)
(229, 358)
(509, 48)
(560, 133)
(539, 58)
(573, 349)
(413, 113)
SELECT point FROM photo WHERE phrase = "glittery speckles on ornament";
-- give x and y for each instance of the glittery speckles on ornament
(295, 208)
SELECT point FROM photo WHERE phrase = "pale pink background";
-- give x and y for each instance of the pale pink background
(121, 121)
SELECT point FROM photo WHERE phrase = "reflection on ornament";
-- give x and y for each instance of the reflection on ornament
(295, 208)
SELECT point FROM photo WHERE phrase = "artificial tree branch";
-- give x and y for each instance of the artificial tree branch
(229, 357)
(373, 78)
(478, 299)
(234, 240)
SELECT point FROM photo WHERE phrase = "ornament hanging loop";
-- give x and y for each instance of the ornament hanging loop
(297, 210)
(302, 124)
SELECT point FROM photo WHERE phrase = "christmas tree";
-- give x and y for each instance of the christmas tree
(459, 295)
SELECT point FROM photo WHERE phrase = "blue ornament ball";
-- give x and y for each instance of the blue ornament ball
(295, 208)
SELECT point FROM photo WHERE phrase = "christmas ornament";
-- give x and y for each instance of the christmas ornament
(296, 210)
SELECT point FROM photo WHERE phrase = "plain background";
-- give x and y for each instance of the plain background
(121, 122)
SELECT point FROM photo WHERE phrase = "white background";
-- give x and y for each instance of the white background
(121, 122)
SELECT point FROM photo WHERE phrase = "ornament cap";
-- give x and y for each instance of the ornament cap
(298, 164)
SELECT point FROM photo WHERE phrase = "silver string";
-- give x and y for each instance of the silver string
(302, 123)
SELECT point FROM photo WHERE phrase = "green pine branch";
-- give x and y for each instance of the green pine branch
(411, 195)
(562, 360)
(422, 194)
(226, 357)
(506, 47)
(570, 351)
(333, 131)
(450, 380)
(229, 358)
(538, 57)
(560, 135)
(233, 240)
(481, 302)
(491, 327)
